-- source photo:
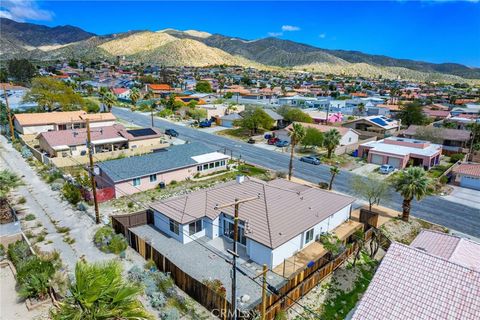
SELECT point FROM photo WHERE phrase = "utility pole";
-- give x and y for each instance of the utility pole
(9, 114)
(233, 252)
(92, 176)
(151, 116)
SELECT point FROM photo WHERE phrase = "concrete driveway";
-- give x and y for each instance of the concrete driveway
(468, 197)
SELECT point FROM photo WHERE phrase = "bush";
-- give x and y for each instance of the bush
(30, 217)
(165, 113)
(33, 277)
(170, 314)
(443, 179)
(456, 157)
(18, 252)
(173, 182)
(150, 264)
(281, 315)
(22, 200)
(281, 174)
(118, 244)
(107, 241)
(26, 153)
(130, 205)
(323, 185)
(56, 186)
(71, 193)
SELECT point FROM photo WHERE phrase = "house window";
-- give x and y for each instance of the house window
(73, 148)
(77, 126)
(153, 177)
(199, 168)
(174, 227)
(308, 236)
(62, 127)
(217, 164)
(136, 182)
(195, 227)
(205, 167)
(222, 163)
(210, 165)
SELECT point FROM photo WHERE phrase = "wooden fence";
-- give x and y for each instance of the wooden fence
(292, 290)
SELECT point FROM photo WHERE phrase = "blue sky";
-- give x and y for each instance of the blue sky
(436, 31)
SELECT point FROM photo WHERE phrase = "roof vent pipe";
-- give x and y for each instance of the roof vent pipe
(240, 178)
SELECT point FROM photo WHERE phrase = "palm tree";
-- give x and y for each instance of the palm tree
(331, 140)
(108, 99)
(361, 108)
(297, 133)
(412, 183)
(134, 95)
(333, 172)
(100, 292)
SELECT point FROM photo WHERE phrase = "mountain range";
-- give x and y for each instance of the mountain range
(171, 47)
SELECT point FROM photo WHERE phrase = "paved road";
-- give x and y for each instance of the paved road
(453, 215)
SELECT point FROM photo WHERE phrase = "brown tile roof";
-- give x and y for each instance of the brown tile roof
(447, 134)
(436, 113)
(283, 210)
(469, 169)
(413, 284)
(165, 87)
(44, 118)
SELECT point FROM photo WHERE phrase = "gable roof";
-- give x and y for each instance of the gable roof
(413, 284)
(283, 210)
(469, 169)
(447, 133)
(171, 158)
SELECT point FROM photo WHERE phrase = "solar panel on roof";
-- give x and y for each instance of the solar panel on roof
(142, 132)
(379, 121)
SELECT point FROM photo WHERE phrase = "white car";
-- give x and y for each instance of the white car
(386, 168)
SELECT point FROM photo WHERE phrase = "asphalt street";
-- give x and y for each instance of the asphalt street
(453, 215)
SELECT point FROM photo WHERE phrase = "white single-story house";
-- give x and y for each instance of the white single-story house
(467, 175)
(144, 172)
(228, 120)
(285, 218)
(349, 136)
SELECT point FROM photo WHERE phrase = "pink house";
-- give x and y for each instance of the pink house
(399, 152)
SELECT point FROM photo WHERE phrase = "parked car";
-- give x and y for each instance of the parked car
(205, 124)
(251, 141)
(386, 168)
(311, 160)
(273, 140)
(282, 143)
(171, 133)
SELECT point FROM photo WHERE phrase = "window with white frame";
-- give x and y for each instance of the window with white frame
(210, 165)
(136, 182)
(199, 168)
(217, 164)
(195, 227)
(308, 236)
(153, 177)
(222, 163)
(174, 227)
(205, 166)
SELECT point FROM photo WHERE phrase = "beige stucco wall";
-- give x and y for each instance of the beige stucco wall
(144, 143)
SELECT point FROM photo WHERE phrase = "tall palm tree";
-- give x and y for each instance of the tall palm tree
(412, 183)
(108, 99)
(100, 292)
(333, 173)
(297, 133)
(331, 140)
(134, 95)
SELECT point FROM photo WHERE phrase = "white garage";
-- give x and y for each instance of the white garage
(395, 162)
(376, 159)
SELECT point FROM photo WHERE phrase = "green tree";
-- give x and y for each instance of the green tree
(100, 293)
(228, 95)
(412, 183)
(198, 114)
(108, 99)
(91, 106)
(3, 75)
(134, 95)
(297, 133)
(412, 113)
(51, 94)
(203, 86)
(334, 171)
(359, 239)
(21, 70)
(331, 139)
(313, 138)
(371, 188)
(254, 119)
(290, 114)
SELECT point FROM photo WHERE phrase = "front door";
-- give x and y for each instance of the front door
(228, 228)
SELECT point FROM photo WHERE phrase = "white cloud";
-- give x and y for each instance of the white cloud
(322, 35)
(290, 28)
(21, 10)
(275, 34)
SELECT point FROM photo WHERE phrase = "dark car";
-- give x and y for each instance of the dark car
(205, 124)
(171, 132)
(251, 141)
(273, 140)
(311, 160)
(282, 143)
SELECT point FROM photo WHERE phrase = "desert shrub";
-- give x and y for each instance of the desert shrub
(30, 217)
(173, 182)
(281, 174)
(215, 285)
(107, 241)
(71, 193)
(281, 315)
(157, 300)
(26, 153)
(323, 185)
(443, 179)
(130, 204)
(456, 157)
(117, 244)
(150, 264)
(18, 252)
(165, 113)
(170, 314)
(22, 200)
(54, 175)
(56, 186)
(82, 206)
(33, 277)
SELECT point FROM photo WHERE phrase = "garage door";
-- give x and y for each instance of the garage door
(376, 159)
(470, 182)
(394, 162)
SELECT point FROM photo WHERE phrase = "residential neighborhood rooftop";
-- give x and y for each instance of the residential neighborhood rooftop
(30, 119)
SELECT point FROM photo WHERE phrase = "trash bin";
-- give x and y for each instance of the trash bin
(161, 185)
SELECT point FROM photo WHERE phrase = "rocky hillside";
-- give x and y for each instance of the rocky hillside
(196, 48)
